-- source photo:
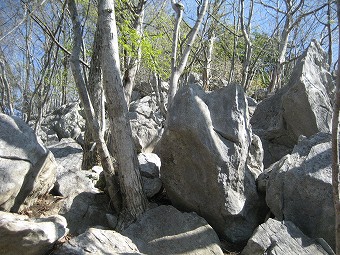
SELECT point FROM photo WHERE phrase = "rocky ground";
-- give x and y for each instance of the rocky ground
(226, 176)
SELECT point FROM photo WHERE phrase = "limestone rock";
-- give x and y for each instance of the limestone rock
(67, 122)
(281, 238)
(204, 153)
(302, 107)
(22, 235)
(82, 204)
(165, 230)
(299, 187)
(27, 168)
(146, 123)
(68, 154)
(99, 242)
(150, 165)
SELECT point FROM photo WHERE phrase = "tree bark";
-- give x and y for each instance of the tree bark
(330, 40)
(249, 46)
(7, 88)
(111, 182)
(335, 150)
(134, 62)
(26, 88)
(134, 200)
(207, 65)
(96, 92)
(178, 68)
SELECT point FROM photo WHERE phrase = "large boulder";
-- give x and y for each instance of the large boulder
(82, 204)
(302, 107)
(68, 154)
(299, 187)
(204, 153)
(150, 165)
(30, 236)
(146, 123)
(99, 242)
(165, 230)
(281, 238)
(27, 169)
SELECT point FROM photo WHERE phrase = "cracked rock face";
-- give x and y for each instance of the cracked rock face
(281, 238)
(146, 123)
(204, 152)
(30, 236)
(27, 168)
(299, 187)
(302, 107)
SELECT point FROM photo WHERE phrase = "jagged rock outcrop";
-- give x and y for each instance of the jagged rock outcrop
(204, 153)
(165, 230)
(150, 164)
(67, 122)
(299, 187)
(27, 169)
(302, 107)
(146, 123)
(82, 205)
(30, 236)
(281, 238)
(99, 242)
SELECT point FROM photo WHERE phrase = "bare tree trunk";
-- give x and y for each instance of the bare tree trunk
(329, 30)
(235, 43)
(157, 83)
(26, 88)
(134, 62)
(2, 96)
(178, 68)
(207, 66)
(111, 182)
(335, 150)
(7, 88)
(249, 45)
(96, 92)
(174, 77)
(134, 200)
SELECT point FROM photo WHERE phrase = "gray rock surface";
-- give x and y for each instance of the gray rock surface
(99, 242)
(27, 169)
(68, 154)
(299, 187)
(67, 122)
(302, 107)
(165, 230)
(146, 123)
(82, 205)
(282, 238)
(150, 165)
(204, 153)
(22, 235)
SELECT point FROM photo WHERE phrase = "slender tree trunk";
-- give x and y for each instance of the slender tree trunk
(174, 77)
(235, 43)
(26, 89)
(207, 66)
(111, 182)
(96, 92)
(178, 68)
(330, 40)
(133, 65)
(335, 150)
(2, 96)
(7, 88)
(157, 83)
(134, 200)
(249, 46)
